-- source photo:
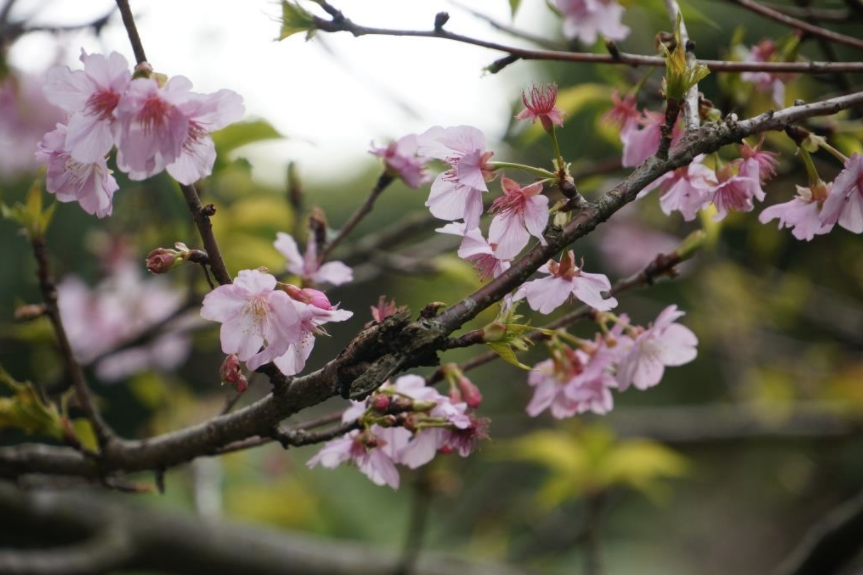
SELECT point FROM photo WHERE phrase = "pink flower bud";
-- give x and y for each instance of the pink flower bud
(161, 260)
(379, 402)
(470, 392)
(230, 373)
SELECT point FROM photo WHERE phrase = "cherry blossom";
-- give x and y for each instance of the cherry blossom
(91, 97)
(308, 267)
(457, 193)
(374, 452)
(474, 248)
(565, 279)
(25, 116)
(739, 183)
(541, 106)
(765, 51)
(402, 160)
(89, 184)
(571, 382)
(521, 213)
(645, 356)
(587, 19)
(253, 314)
(686, 189)
(766, 160)
(802, 214)
(638, 145)
(624, 114)
(844, 205)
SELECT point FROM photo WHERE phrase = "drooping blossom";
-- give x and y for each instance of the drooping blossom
(571, 382)
(844, 205)
(25, 116)
(645, 356)
(253, 313)
(373, 451)
(540, 105)
(91, 97)
(565, 279)
(587, 19)
(738, 183)
(640, 144)
(89, 184)
(313, 311)
(773, 83)
(686, 189)
(766, 160)
(457, 193)
(475, 249)
(119, 308)
(802, 214)
(307, 266)
(402, 160)
(624, 114)
(520, 213)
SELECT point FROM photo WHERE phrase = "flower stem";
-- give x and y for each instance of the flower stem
(523, 167)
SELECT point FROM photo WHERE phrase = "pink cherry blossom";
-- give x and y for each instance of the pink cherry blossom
(686, 189)
(666, 343)
(638, 145)
(457, 193)
(765, 51)
(474, 248)
(91, 97)
(739, 183)
(401, 159)
(308, 267)
(587, 19)
(571, 382)
(25, 116)
(802, 214)
(627, 245)
(465, 439)
(844, 205)
(565, 279)
(253, 314)
(766, 160)
(521, 213)
(624, 114)
(89, 184)
(541, 106)
(312, 317)
(374, 452)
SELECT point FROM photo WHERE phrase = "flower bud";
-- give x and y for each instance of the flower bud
(162, 260)
(230, 372)
(379, 402)
(469, 392)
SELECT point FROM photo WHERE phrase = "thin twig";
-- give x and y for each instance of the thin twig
(383, 181)
(811, 29)
(201, 215)
(515, 32)
(822, 14)
(132, 30)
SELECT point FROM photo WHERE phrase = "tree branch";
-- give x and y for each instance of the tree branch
(811, 29)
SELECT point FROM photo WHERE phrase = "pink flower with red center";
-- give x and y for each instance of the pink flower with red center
(766, 160)
(521, 213)
(253, 313)
(90, 96)
(374, 452)
(565, 279)
(765, 51)
(457, 193)
(307, 266)
(541, 106)
(571, 382)
(686, 189)
(624, 114)
(402, 160)
(464, 440)
(638, 145)
(475, 249)
(90, 184)
(844, 205)
(802, 214)
(665, 343)
(587, 19)
(739, 183)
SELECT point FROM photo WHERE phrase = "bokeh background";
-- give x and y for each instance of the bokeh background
(720, 469)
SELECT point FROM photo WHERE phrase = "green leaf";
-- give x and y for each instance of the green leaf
(513, 7)
(507, 354)
(232, 137)
(295, 19)
(25, 409)
(30, 215)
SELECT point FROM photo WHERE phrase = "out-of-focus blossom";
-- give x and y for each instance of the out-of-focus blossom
(90, 96)
(402, 160)
(802, 214)
(520, 213)
(474, 248)
(627, 246)
(738, 183)
(665, 343)
(253, 314)
(25, 116)
(624, 114)
(89, 184)
(540, 105)
(587, 19)
(638, 145)
(565, 279)
(457, 193)
(765, 51)
(844, 205)
(308, 267)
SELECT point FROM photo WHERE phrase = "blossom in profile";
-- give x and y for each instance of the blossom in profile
(802, 214)
(374, 452)
(565, 279)
(738, 183)
(90, 184)
(844, 205)
(624, 114)
(456, 194)
(520, 213)
(766, 160)
(475, 249)
(307, 266)
(541, 105)
(402, 160)
(253, 314)
(586, 20)
(774, 84)
(91, 97)
(645, 356)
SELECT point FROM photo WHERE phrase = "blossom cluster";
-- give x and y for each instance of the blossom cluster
(155, 126)
(579, 380)
(406, 423)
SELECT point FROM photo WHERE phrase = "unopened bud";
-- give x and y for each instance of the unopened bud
(379, 402)
(470, 392)
(162, 260)
(230, 372)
